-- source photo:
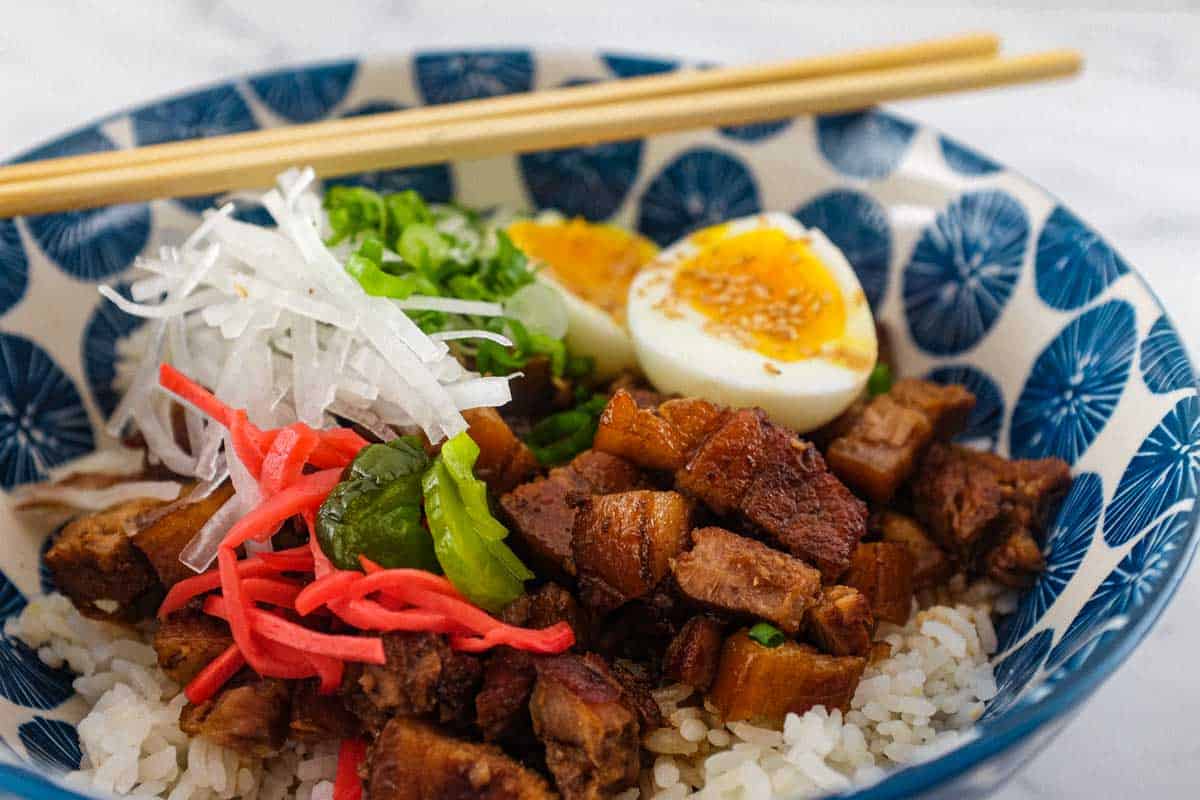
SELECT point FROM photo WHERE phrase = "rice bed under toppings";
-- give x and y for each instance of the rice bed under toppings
(131, 741)
(910, 707)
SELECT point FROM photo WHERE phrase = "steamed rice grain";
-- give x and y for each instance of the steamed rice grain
(131, 741)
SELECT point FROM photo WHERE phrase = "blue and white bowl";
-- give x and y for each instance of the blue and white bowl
(981, 276)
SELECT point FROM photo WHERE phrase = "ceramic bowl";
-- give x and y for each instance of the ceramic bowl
(981, 276)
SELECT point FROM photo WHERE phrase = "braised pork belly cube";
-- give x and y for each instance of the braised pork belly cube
(317, 717)
(590, 731)
(95, 564)
(693, 654)
(637, 686)
(779, 485)
(1016, 561)
(883, 572)
(945, 406)
(971, 501)
(840, 622)
(931, 565)
(764, 684)
(413, 760)
(661, 439)
(548, 605)
(187, 640)
(504, 461)
(250, 718)
(1034, 487)
(881, 449)
(163, 532)
(803, 508)
(960, 500)
(542, 513)
(502, 705)
(422, 677)
(746, 578)
(623, 544)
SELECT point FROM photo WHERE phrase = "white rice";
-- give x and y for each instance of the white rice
(910, 707)
(131, 741)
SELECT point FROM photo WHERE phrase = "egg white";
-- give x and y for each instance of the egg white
(679, 356)
(592, 331)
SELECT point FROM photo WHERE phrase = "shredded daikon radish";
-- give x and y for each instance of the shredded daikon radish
(270, 321)
(95, 499)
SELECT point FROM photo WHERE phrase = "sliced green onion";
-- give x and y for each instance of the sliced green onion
(880, 381)
(766, 634)
(423, 247)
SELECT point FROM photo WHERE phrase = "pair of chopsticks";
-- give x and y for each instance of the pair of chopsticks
(555, 118)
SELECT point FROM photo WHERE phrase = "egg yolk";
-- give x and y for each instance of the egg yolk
(593, 261)
(768, 291)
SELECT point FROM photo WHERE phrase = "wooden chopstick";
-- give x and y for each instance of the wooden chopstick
(256, 167)
(970, 45)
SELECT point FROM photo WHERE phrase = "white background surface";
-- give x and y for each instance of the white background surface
(1120, 146)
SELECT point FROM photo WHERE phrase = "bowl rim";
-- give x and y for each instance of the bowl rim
(988, 739)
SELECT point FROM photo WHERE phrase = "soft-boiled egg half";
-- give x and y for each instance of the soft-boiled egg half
(592, 265)
(758, 311)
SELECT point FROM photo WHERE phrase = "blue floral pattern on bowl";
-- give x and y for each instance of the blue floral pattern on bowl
(1164, 468)
(469, 75)
(305, 95)
(94, 244)
(864, 144)
(964, 160)
(1165, 366)
(997, 285)
(14, 266)
(1075, 385)
(1073, 264)
(964, 270)
(51, 743)
(42, 419)
(700, 187)
(859, 226)
(590, 182)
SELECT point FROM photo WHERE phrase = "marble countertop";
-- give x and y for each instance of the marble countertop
(1119, 146)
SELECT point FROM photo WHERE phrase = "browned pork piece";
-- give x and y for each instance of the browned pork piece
(94, 563)
(502, 705)
(187, 641)
(163, 532)
(542, 513)
(971, 501)
(693, 654)
(881, 448)
(581, 713)
(504, 461)
(423, 677)
(743, 577)
(931, 566)
(841, 622)
(547, 605)
(739, 464)
(661, 439)
(1017, 560)
(763, 684)
(250, 718)
(883, 572)
(623, 544)
(319, 717)
(413, 760)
